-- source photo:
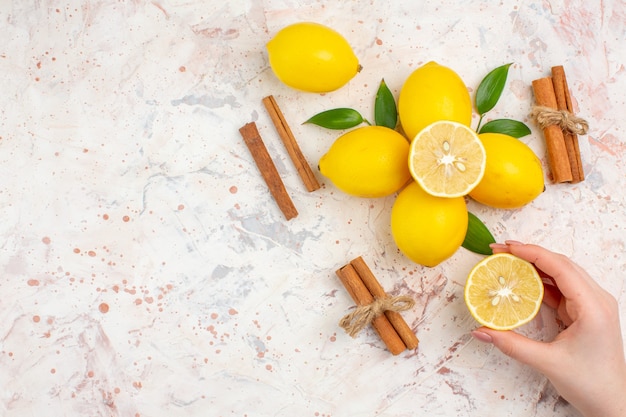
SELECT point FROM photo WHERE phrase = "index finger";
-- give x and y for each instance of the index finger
(571, 280)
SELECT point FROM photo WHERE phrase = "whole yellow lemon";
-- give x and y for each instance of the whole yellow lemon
(513, 174)
(428, 229)
(369, 161)
(432, 93)
(312, 57)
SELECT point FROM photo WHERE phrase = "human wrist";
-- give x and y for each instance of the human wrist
(613, 403)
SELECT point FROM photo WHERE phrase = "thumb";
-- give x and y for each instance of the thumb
(516, 346)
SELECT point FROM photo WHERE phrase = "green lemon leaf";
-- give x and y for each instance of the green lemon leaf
(340, 118)
(478, 237)
(506, 126)
(385, 110)
(490, 89)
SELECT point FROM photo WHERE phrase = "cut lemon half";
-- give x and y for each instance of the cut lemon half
(503, 292)
(447, 159)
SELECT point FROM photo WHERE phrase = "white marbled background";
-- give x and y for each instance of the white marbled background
(146, 270)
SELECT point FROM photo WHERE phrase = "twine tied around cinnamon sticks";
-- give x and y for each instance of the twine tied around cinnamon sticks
(363, 315)
(375, 307)
(554, 114)
(568, 122)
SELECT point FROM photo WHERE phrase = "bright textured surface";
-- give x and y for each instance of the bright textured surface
(147, 272)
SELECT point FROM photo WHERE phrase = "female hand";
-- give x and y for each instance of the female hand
(585, 362)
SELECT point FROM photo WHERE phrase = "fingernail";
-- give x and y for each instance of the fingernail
(498, 246)
(482, 336)
(513, 242)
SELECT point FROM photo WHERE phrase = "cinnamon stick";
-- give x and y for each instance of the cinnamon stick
(285, 133)
(564, 102)
(270, 174)
(555, 142)
(374, 287)
(361, 296)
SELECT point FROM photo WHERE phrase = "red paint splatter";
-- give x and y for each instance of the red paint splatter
(76, 250)
(46, 240)
(181, 206)
(104, 308)
(182, 68)
(232, 312)
(212, 330)
(105, 216)
(53, 371)
(91, 253)
(33, 282)
(126, 219)
(233, 190)
(36, 319)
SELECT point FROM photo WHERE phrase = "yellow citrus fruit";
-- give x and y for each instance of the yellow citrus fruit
(428, 229)
(433, 92)
(503, 291)
(447, 159)
(513, 174)
(312, 57)
(369, 161)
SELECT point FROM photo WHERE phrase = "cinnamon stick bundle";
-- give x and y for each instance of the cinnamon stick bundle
(366, 291)
(555, 115)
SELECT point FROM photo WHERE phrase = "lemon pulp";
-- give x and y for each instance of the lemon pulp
(447, 159)
(503, 292)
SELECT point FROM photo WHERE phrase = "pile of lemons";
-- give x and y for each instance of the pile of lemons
(433, 160)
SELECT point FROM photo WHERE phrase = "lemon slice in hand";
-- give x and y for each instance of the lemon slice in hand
(447, 159)
(503, 292)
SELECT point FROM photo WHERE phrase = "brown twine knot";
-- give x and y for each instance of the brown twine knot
(363, 315)
(547, 116)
